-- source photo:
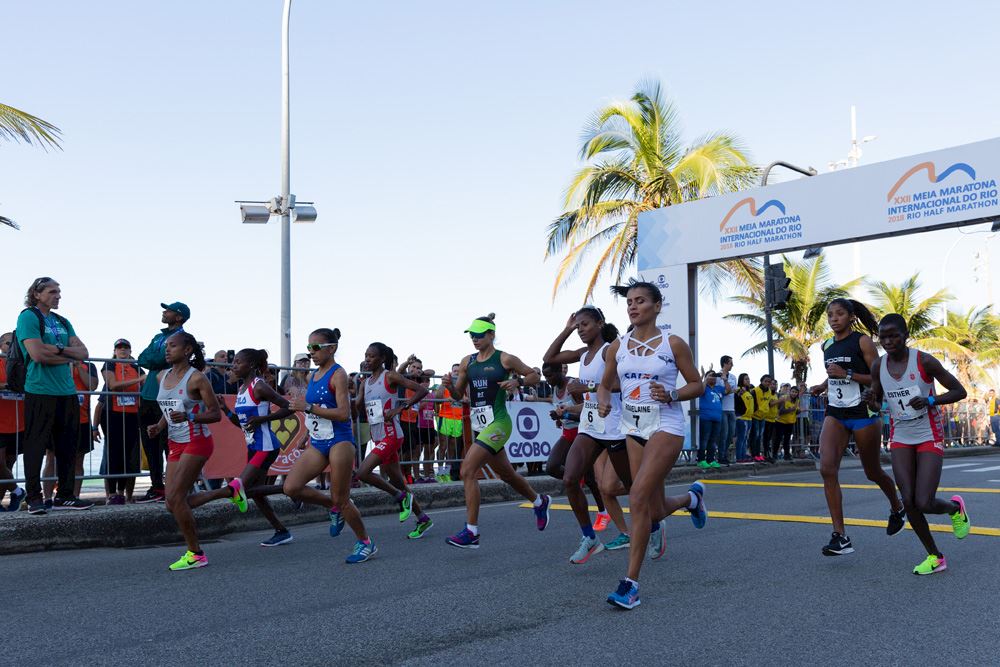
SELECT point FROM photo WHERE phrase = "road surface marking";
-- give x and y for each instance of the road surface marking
(991, 468)
(814, 485)
(959, 465)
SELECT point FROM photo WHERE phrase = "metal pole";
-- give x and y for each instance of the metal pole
(286, 191)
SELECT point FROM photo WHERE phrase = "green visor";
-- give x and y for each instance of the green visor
(480, 326)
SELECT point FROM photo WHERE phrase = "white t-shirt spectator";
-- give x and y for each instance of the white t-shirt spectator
(729, 400)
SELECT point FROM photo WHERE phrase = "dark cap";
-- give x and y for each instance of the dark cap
(121, 342)
(179, 308)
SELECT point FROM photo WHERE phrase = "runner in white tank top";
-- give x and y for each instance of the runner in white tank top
(599, 446)
(905, 378)
(378, 398)
(645, 365)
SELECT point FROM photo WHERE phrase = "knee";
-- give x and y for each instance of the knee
(922, 505)
(553, 470)
(875, 474)
(290, 489)
(174, 500)
(828, 472)
(468, 473)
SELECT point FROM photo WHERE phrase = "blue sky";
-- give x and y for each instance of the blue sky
(437, 140)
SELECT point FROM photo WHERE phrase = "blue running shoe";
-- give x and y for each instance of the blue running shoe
(464, 539)
(542, 512)
(699, 515)
(627, 595)
(17, 496)
(362, 551)
(277, 539)
(336, 523)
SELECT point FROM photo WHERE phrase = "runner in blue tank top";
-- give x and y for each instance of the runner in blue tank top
(327, 408)
(849, 356)
(252, 413)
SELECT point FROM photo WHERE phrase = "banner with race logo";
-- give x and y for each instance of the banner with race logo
(534, 432)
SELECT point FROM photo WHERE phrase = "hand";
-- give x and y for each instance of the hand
(446, 381)
(571, 323)
(298, 404)
(835, 371)
(604, 408)
(658, 393)
(918, 403)
(511, 386)
(154, 430)
(868, 396)
(553, 415)
(95, 435)
(178, 417)
(816, 390)
(392, 414)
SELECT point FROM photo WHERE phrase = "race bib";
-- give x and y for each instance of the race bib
(79, 397)
(899, 403)
(10, 396)
(248, 434)
(177, 432)
(843, 393)
(427, 414)
(482, 416)
(374, 411)
(640, 419)
(590, 419)
(319, 428)
(125, 401)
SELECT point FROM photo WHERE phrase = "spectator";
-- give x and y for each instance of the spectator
(218, 376)
(727, 429)
(450, 431)
(426, 433)
(709, 421)
(770, 417)
(802, 422)
(744, 407)
(295, 382)
(761, 396)
(784, 423)
(84, 379)
(152, 359)
(50, 346)
(11, 429)
(993, 410)
(121, 423)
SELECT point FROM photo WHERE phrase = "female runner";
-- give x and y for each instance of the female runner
(252, 413)
(327, 407)
(490, 374)
(188, 403)
(849, 357)
(597, 434)
(378, 398)
(646, 364)
(905, 378)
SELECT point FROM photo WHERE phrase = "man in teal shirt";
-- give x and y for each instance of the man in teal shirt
(51, 410)
(152, 358)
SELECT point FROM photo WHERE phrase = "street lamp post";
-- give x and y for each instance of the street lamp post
(853, 156)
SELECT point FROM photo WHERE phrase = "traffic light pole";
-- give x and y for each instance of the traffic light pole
(768, 288)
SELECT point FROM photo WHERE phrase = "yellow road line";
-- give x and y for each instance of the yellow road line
(798, 518)
(814, 485)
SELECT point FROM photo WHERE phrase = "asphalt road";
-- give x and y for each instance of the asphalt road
(741, 591)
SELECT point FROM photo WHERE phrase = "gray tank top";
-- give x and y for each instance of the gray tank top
(378, 401)
(568, 423)
(910, 426)
(178, 400)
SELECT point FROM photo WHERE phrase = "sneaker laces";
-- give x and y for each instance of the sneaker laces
(359, 548)
(623, 588)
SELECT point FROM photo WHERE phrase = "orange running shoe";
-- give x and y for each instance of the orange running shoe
(602, 521)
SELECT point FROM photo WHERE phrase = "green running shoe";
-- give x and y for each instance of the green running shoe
(620, 542)
(239, 495)
(703, 465)
(189, 561)
(405, 507)
(419, 531)
(960, 523)
(931, 565)
(714, 464)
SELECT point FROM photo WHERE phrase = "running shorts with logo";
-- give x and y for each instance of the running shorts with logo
(450, 428)
(496, 434)
(387, 449)
(922, 448)
(200, 445)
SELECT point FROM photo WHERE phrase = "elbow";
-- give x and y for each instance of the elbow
(213, 415)
(962, 394)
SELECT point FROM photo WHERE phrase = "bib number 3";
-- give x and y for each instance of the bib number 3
(843, 393)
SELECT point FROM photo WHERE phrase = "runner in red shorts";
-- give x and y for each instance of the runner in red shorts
(378, 397)
(905, 377)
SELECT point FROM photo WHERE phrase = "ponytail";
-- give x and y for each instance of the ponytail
(257, 359)
(863, 316)
(197, 358)
(388, 356)
(609, 332)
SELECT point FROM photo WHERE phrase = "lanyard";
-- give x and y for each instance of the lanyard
(53, 329)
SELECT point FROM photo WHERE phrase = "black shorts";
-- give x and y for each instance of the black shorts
(84, 441)
(612, 445)
(12, 442)
(425, 435)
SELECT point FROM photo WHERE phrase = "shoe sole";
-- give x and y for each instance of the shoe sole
(596, 549)
(622, 605)
(924, 574)
(619, 548)
(663, 542)
(411, 536)
(701, 509)
(60, 508)
(190, 567)
(144, 501)
(277, 544)
(37, 512)
(840, 552)
(462, 546)
(548, 506)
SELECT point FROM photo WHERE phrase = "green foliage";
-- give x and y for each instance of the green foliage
(17, 125)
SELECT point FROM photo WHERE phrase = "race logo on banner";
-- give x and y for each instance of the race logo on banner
(534, 432)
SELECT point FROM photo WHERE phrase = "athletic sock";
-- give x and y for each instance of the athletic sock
(335, 509)
(537, 502)
(603, 513)
(693, 505)
(423, 518)
(367, 541)
(198, 553)
(472, 528)
(632, 581)
(588, 531)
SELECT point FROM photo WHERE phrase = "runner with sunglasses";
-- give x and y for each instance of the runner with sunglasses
(490, 374)
(327, 407)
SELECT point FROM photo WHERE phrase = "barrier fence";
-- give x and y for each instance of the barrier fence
(113, 450)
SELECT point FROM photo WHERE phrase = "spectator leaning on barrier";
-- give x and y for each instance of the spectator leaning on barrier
(121, 423)
(50, 346)
(450, 429)
(709, 421)
(727, 428)
(84, 379)
(218, 377)
(11, 429)
(744, 417)
(153, 359)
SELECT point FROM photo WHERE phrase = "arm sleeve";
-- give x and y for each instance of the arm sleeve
(152, 357)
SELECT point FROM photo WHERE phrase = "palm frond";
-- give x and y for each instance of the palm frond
(17, 125)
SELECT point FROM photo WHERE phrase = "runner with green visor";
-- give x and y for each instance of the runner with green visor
(490, 374)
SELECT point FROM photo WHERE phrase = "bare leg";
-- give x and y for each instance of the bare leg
(395, 474)
(296, 486)
(579, 459)
(366, 475)
(646, 499)
(181, 477)
(611, 488)
(869, 450)
(505, 471)
(832, 441)
(341, 465)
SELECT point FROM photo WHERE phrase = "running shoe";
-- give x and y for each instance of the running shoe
(588, 547)
(362, 551)
(960, 523)
(16, 496)
(37, 508)
(626, 596)
(931, 565)
(542, 512)
(714, 464)
(48, 503)
(657, 541)
(297, 504)
(602, 521)
(116, 499)
(239, 497)
(152, 496)
(897, 521)
(699, 515)
(419, 531)
(703, 465)
(405, 507)
(444, 478)
(189, 561)
(71, 504)
(464, 539)
(838, 546)
(336, 523)
(280, 537)
(620, 542)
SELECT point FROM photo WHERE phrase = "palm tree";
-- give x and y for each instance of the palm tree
(970, 340)
(636, 162)
(921, 314)
(17, 125)
(802, 322)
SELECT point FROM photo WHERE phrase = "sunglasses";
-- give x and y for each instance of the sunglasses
(477, 336)
(316, 347)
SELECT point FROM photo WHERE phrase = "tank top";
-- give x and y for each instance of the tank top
(843, 395)
(607, 428)
(641, 415)
(378, 401)
(425, 412)
(261, 438)
(324, 431)
(178, 400)
(568, 423)
(489, 401)
(908, 425)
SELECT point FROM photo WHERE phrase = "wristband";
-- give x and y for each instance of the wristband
(931, 400)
